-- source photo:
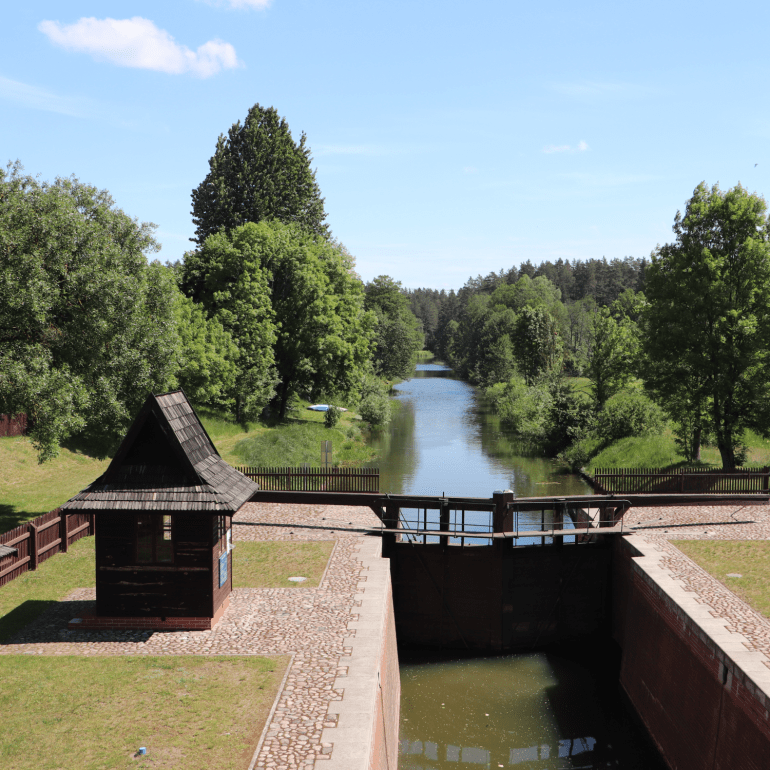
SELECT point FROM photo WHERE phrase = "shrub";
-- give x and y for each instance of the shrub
(374, 406)
(332, 416)
(628, 414)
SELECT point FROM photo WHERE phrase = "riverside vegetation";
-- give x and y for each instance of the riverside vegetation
(632, 362)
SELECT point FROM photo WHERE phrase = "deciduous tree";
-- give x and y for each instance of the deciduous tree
(707, 337)
(86, 326)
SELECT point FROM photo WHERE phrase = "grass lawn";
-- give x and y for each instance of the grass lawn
(271, 564)
(28, 490)
(748, 558)
(88, 713)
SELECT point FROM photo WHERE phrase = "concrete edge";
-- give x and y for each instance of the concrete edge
(328, 563)
(269, 719)
(732, 645)
(353, 737)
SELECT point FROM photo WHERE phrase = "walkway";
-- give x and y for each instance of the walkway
(310, 624)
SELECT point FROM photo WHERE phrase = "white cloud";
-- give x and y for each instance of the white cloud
(137, 42)
(551, 148)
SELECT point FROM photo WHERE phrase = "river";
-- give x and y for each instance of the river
(547, 709)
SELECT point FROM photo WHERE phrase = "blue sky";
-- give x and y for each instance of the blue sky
(450, 139)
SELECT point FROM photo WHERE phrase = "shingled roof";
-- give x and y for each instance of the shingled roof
(167, 462)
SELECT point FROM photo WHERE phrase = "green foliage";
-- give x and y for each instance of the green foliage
(258, 172)
(707, 340)
(86, 326)
(517, 329)
(332, 416)
(293, 305)
(521, 407)
(629, 414)
(569, 415)
(228, 278)
(399, 333)
(613, 355)
(375, 405)
(206, 353)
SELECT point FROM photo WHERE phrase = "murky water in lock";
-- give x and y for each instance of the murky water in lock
(525, 711)
(536, 710)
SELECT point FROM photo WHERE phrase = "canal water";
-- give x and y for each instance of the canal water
(547, 709)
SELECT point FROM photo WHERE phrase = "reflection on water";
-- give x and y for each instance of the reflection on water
(524, 711)
(444, 439)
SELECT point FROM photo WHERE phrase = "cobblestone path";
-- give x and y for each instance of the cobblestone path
(308, 623)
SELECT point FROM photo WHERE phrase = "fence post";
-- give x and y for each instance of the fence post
(64, 531)
(32, 546)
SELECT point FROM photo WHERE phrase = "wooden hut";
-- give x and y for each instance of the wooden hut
(163, 514)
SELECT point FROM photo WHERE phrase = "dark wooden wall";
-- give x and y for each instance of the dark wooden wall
(127, 589)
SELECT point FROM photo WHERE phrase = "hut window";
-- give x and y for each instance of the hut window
(220, 533)
(154, 544)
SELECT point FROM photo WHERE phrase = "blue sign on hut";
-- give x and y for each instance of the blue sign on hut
(163, 513)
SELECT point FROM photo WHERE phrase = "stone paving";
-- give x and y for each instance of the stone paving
(308, 623)
(662, 527)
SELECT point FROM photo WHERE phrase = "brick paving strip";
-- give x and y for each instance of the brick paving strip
(662, 527)
(311, 624)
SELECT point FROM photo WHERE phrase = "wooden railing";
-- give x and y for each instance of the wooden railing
(315, 479)
(614, 481)
(40, 539)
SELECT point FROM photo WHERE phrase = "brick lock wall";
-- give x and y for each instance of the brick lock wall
(699, 709)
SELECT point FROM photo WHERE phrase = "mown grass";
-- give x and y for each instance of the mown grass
(271, 564)
(662, 452)
(28, 489)
(748, 558)
(88, 713)
(298, 440)
(255, 565)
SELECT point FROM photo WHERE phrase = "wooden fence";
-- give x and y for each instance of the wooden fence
(315, 479)
(13, 424)
(613, 481)
(39, 539)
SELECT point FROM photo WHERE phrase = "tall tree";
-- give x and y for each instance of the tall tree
(293, 305)
(258, 172)
(708, 322)
(87, 327)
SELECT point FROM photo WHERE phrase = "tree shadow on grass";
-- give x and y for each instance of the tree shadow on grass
(99, 449)
(11, 516)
